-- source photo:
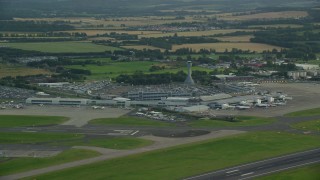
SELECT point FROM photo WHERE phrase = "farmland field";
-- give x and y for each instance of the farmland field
(61, 47)
(268, 15)
(197, 33)
(186, 160)
(221, 47)
(13, 71)
(111, 70)
(276, 26)
(109, 23)
(93, 32)
(235, 38)
(141, 47)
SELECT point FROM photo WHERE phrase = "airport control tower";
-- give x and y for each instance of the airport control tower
(189, 79)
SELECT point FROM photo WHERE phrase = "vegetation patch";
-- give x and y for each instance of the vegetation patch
(309, 172)
(309, 112)
(61, 47)
(16, 165)
(237, 121)
(63, 139)
(221, 47)
(187, 160)
(15, 120)
(18, 70)
(110, 142)
(313, 125)
(27, 138)
(129, 121)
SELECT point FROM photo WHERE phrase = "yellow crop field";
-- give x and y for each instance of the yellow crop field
(81, 22)
(141, 47)
(94, 32)
(235, 38)
(8, 70)
(197, 33)
(277, 26)
(221, 47)
(268, 15)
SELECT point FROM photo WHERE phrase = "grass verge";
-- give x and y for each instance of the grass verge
(129, 121)
(16, 165)
(63, 139)
(310, 172)
(187, 160)
(313, 125)
(309, 112)
(109, 142)
(240, 121)
(14, 120)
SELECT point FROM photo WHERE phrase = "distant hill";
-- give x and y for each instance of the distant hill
(49, 8)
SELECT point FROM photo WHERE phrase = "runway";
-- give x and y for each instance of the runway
(265, 167)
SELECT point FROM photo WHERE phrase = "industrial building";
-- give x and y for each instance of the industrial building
(57, 101)
(156, 95)
(308, 66)
(54, 85)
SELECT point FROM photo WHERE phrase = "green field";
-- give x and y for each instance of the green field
(129, 121)
(110, 142)
(60, 47)
(19, 70)
(309, 112)
(313, 125)
(114, 69)
(16, 165)
(240, 121)
(310, 173)
(14, 120)
(63, 139)
(187, 160)
(26, 138)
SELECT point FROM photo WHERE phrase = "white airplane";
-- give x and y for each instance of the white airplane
(95, 107)
(262, 105)
(243, 107)
(280, 103)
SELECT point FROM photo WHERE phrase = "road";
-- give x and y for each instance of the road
(260, 168)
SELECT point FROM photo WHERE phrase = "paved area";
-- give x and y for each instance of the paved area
(28, 153)
(252, 170)
(79, 116)
(305, 96)
(160, 142)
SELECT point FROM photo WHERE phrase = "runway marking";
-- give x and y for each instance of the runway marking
(134, 133)
(29, 131)
(232, 171)
(270, 172)
(193, 177)
(247, 174)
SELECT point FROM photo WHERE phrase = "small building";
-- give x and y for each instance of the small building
(53, 85)
(57, 101)
(308, 66)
